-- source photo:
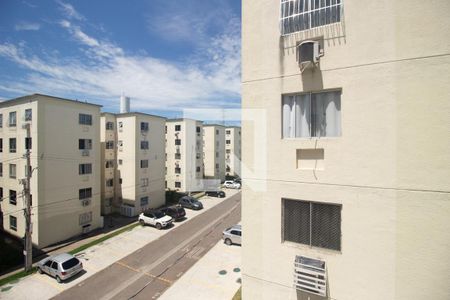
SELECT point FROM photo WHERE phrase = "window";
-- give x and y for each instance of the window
(12, 171)
(217, 154)
(177, 127)
(177, 184)
(28, 170)
(85, 218)
(13, 223)
(84, 169)
(217, 166)
(217, 131)
(177, 142)
(120, 180)
(1, 193)
(28, 143)
(12, 197)
(144, 163)
(12, 145)
(166, 129)
(1, 120)
(84, 144)
(144, 126)
(120, 126)
(12, 119)
(109, 126)
(109, 164)
(198, 169)
(311, 223)
(85, 193)
(299, 15)
(110, 182)
(228, 132)
(120, 161)
(177, 170)
(177, 155)
(120, 145)
(144, 145)
(1, 145)
(197, 155)
(228, 151)
(312, 115)
(228, 142)
(144, 200)
(1, 171)
(85, 119)
(144, 182)
(198, 129)
(28, 114)
(109, 145)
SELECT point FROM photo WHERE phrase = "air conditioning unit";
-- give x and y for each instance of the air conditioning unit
(308, 54)
(85, 153)
(310, 275)
(86, 228)
(85, 202)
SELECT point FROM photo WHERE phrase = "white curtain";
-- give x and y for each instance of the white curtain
(303, 115)
(287, 112)
(326, 114)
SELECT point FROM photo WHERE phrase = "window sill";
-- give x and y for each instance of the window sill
(319, 250)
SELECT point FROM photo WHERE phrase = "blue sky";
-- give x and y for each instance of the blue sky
(165, 55)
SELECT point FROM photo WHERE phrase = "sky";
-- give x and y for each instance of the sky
(165, 55)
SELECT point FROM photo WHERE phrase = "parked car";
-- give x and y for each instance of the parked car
(61, 266)
(176, 212)
(232, 235)
(218, 194)
(190, 202)
(231, 184)
(155, 218)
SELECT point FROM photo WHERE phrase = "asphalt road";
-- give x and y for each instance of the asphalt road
(149, 271)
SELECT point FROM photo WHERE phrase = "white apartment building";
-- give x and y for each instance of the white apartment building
(233, 151)
(184, 155)
(65, 156)
(214, 151)
(133, 159)
(346, 149)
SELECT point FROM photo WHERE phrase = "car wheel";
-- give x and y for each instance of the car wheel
(228, 242)
(142, 222)
(158, 226)
(39, 270)
(58, 279)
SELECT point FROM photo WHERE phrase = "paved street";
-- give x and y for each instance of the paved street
(149, 271)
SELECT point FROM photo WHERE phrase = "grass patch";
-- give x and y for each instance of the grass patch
(238, 296)
(16, 277)
(102, 239)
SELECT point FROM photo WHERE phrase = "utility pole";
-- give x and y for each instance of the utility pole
(28, 251)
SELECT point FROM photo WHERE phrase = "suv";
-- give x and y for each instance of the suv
(176, 212)
(155, 218)
(231, 184)
(190, 202)
(218, 194)
(232, 235)
(61, 266)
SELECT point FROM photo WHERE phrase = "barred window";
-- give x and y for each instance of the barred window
(85, 193)
(144, 126)
(144, 163)
(312, 223)
(109, 126)
(299, 15)
(85, 119)
(145, 145)
(84, 169)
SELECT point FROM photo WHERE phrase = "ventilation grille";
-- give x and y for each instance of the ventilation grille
(310, 275)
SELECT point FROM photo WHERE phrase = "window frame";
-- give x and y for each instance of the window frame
(11, 227)
(85, 119)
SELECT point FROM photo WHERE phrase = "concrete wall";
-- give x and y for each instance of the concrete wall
(389, 169)
(214, 151)
(233, 151)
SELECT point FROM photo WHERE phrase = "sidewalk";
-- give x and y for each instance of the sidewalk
(96, 258)
(216, 275)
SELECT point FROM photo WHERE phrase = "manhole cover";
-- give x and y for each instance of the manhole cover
(236, 270)
(222, 272)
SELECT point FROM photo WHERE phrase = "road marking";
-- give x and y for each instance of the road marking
(126, 283)
(144, 273)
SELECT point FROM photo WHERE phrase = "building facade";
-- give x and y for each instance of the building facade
(184, 155)
(65, 155)
(233, 151)
(346, 149)
(214, 151)
(133, 160)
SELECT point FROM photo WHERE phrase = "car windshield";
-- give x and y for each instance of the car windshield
(70, 263)
(159, 214)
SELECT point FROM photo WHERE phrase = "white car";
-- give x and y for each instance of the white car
(231, 184)
(155, 218)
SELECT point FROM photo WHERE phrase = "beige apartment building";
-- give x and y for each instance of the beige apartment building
(346, 149)
(133, 160)
(65, 156)
(214, 151)
(184, 155)
(233, 151)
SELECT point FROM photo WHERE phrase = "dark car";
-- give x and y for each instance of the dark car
(218, 194)
(176, 212)
(190, 202)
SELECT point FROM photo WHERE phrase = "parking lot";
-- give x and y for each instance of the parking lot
(99, 257)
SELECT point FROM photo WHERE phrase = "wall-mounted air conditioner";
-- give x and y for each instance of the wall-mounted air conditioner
(85, 153)
(310, 275)
(85, 202)
(308, 54)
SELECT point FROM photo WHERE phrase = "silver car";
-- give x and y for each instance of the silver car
(232, 235)
(61, 266)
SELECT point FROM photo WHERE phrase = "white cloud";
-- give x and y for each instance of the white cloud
(27, 26)
(70, 11)
(105, 70)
